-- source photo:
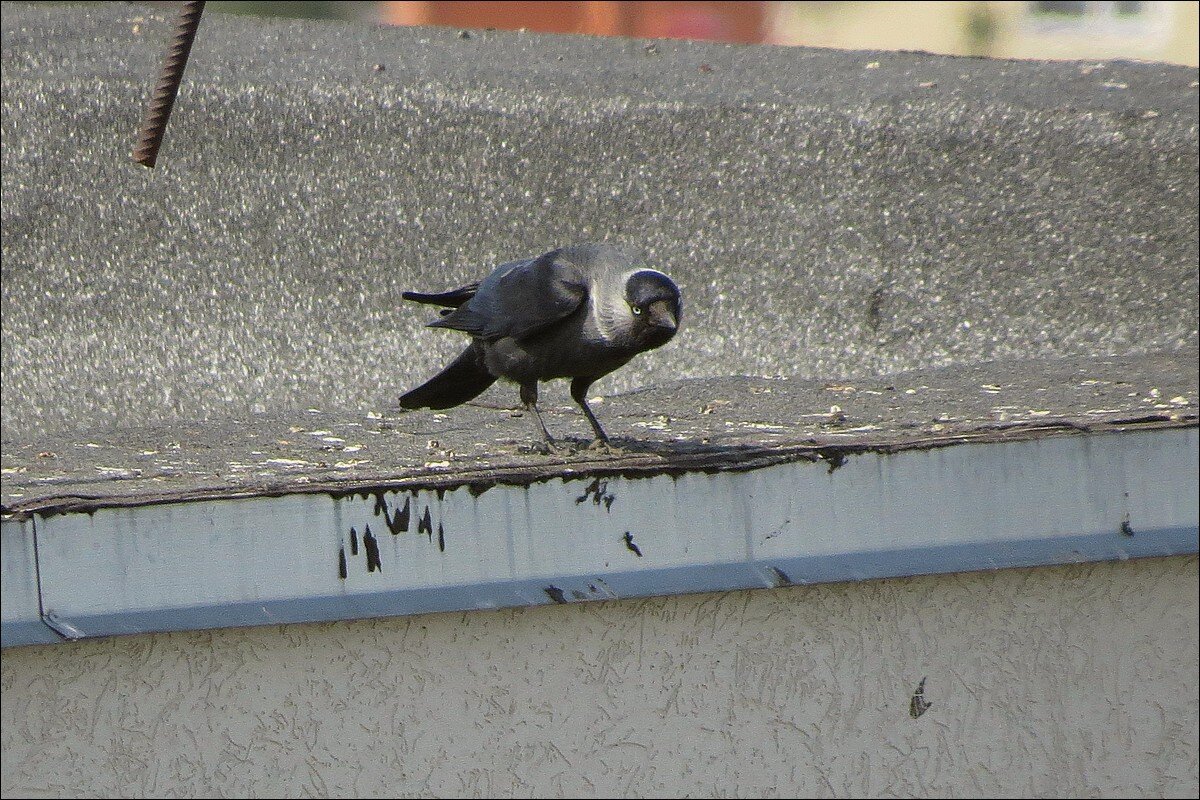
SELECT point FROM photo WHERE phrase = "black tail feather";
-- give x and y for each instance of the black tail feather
(453, 298)
(465, 379)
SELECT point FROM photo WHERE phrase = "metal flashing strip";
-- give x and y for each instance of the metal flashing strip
(20, 612)
(316, 557)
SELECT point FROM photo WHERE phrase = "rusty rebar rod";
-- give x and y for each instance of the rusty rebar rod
(154, 123)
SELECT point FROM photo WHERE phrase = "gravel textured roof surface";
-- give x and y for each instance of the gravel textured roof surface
(830, 215)
(703, 424)
(1013, 243)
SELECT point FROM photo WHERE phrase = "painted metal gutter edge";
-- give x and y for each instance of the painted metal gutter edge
(21, 620)
(834, 452)
(314, 557)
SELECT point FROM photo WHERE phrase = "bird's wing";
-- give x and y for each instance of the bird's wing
(520, 299)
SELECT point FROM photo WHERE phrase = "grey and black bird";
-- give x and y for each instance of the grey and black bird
(578, 312)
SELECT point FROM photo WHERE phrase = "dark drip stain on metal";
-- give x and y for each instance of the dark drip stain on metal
(342, 563)
(372, 547)
(396, 522)
(633, 548)
(425, 525)
(597, 490)
(1126, 528)
(441, 538)
(781, 578)
(555, 594)
(405, 515)
(835, 457)
(479, 487)
(919, 705)
(353, 542)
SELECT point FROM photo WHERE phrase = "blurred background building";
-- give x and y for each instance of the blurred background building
(1154, 31)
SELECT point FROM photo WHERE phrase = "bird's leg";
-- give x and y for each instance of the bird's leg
(579, 387)
(529, 395)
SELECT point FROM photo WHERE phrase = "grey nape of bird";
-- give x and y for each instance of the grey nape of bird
(578, 312)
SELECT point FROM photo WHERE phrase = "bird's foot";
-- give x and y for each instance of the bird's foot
(605, 447)
(549, 448)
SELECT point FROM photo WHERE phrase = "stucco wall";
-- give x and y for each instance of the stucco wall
(1052, 682)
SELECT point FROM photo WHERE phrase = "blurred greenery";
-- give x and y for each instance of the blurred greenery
(300, 9)
(982, 29)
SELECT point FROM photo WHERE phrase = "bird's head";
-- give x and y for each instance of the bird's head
(655, 305)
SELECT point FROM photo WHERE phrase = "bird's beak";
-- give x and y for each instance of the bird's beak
(661, 315)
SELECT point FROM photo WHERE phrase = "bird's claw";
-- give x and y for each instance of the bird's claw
(605, 447)
(549, 448)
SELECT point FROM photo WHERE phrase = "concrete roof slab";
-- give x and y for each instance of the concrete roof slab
(827, 213)
(700, 425)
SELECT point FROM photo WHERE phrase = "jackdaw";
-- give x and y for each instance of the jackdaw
(578, 312)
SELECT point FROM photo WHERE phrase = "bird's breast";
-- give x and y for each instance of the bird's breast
(559, 356)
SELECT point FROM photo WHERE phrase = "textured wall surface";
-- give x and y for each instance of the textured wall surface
(1074, 681)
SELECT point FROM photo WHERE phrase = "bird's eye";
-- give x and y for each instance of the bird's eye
(637, 310)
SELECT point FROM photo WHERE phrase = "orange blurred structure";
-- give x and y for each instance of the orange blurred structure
(712, 21)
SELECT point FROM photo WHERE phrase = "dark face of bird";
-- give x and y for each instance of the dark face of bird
(656, 306)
